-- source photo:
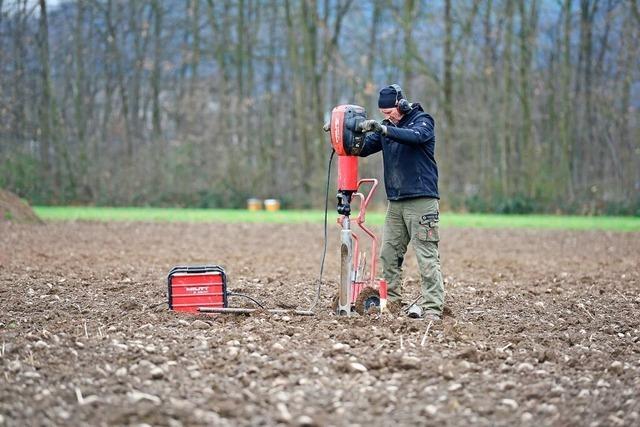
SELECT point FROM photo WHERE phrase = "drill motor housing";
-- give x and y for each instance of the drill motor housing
(346, 137)
(347, 140)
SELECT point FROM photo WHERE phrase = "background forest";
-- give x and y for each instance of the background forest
(205, 103)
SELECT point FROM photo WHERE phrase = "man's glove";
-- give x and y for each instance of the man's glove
(373, 126)
(326, 127)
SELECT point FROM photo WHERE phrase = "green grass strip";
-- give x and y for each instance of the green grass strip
(448, 219)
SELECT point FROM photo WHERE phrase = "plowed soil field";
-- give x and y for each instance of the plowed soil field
(542, 328)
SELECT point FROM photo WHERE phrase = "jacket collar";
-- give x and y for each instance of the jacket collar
(416, 109)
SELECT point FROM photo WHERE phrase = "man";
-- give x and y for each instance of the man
(406, 138)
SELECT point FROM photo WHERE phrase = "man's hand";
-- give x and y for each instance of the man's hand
(373, 126)
(326, 127)
(370, 126)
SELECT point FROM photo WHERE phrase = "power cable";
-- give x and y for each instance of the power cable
(324, 249)
(235, 294)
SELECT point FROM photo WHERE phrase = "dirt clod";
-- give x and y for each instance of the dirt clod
(14, 209)
(616, 367)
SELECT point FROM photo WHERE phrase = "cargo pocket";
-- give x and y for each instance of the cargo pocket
(429, 231)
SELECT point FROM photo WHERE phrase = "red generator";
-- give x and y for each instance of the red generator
(191, 288)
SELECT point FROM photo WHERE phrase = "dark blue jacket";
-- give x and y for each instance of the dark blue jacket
(410, 168)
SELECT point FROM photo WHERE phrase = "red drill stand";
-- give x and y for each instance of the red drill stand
(358, 290)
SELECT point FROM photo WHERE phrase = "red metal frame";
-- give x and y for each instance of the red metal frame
(358, 285)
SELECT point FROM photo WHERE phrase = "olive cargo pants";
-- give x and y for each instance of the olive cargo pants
(414, 220)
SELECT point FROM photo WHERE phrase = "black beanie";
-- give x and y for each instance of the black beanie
(388, 97)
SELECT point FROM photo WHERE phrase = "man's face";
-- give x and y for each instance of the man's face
(391, 114)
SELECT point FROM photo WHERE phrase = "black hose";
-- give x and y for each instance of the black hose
(324, 249)
(235, 294)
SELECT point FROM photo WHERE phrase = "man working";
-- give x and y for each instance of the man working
(406, 137)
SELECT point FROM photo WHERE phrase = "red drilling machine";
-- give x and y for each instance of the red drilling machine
(204, 289)
(359, 290)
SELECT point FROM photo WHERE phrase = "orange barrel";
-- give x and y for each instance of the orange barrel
(254, 204)
(272, 205)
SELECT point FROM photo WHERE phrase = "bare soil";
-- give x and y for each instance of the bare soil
(543, 328)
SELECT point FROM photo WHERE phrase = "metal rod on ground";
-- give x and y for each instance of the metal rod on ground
(221, 310)
(346, 259)
(406, 309)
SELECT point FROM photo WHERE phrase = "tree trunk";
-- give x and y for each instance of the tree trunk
(156, 73)
(566, 139)
(19, 128)
(487, 144)
(45, 129)
(505, 151)
(116, 58)
(409, 11)
(195, 55)
(527, 157)
(447, 88)
(80, 104)
(370, 93)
